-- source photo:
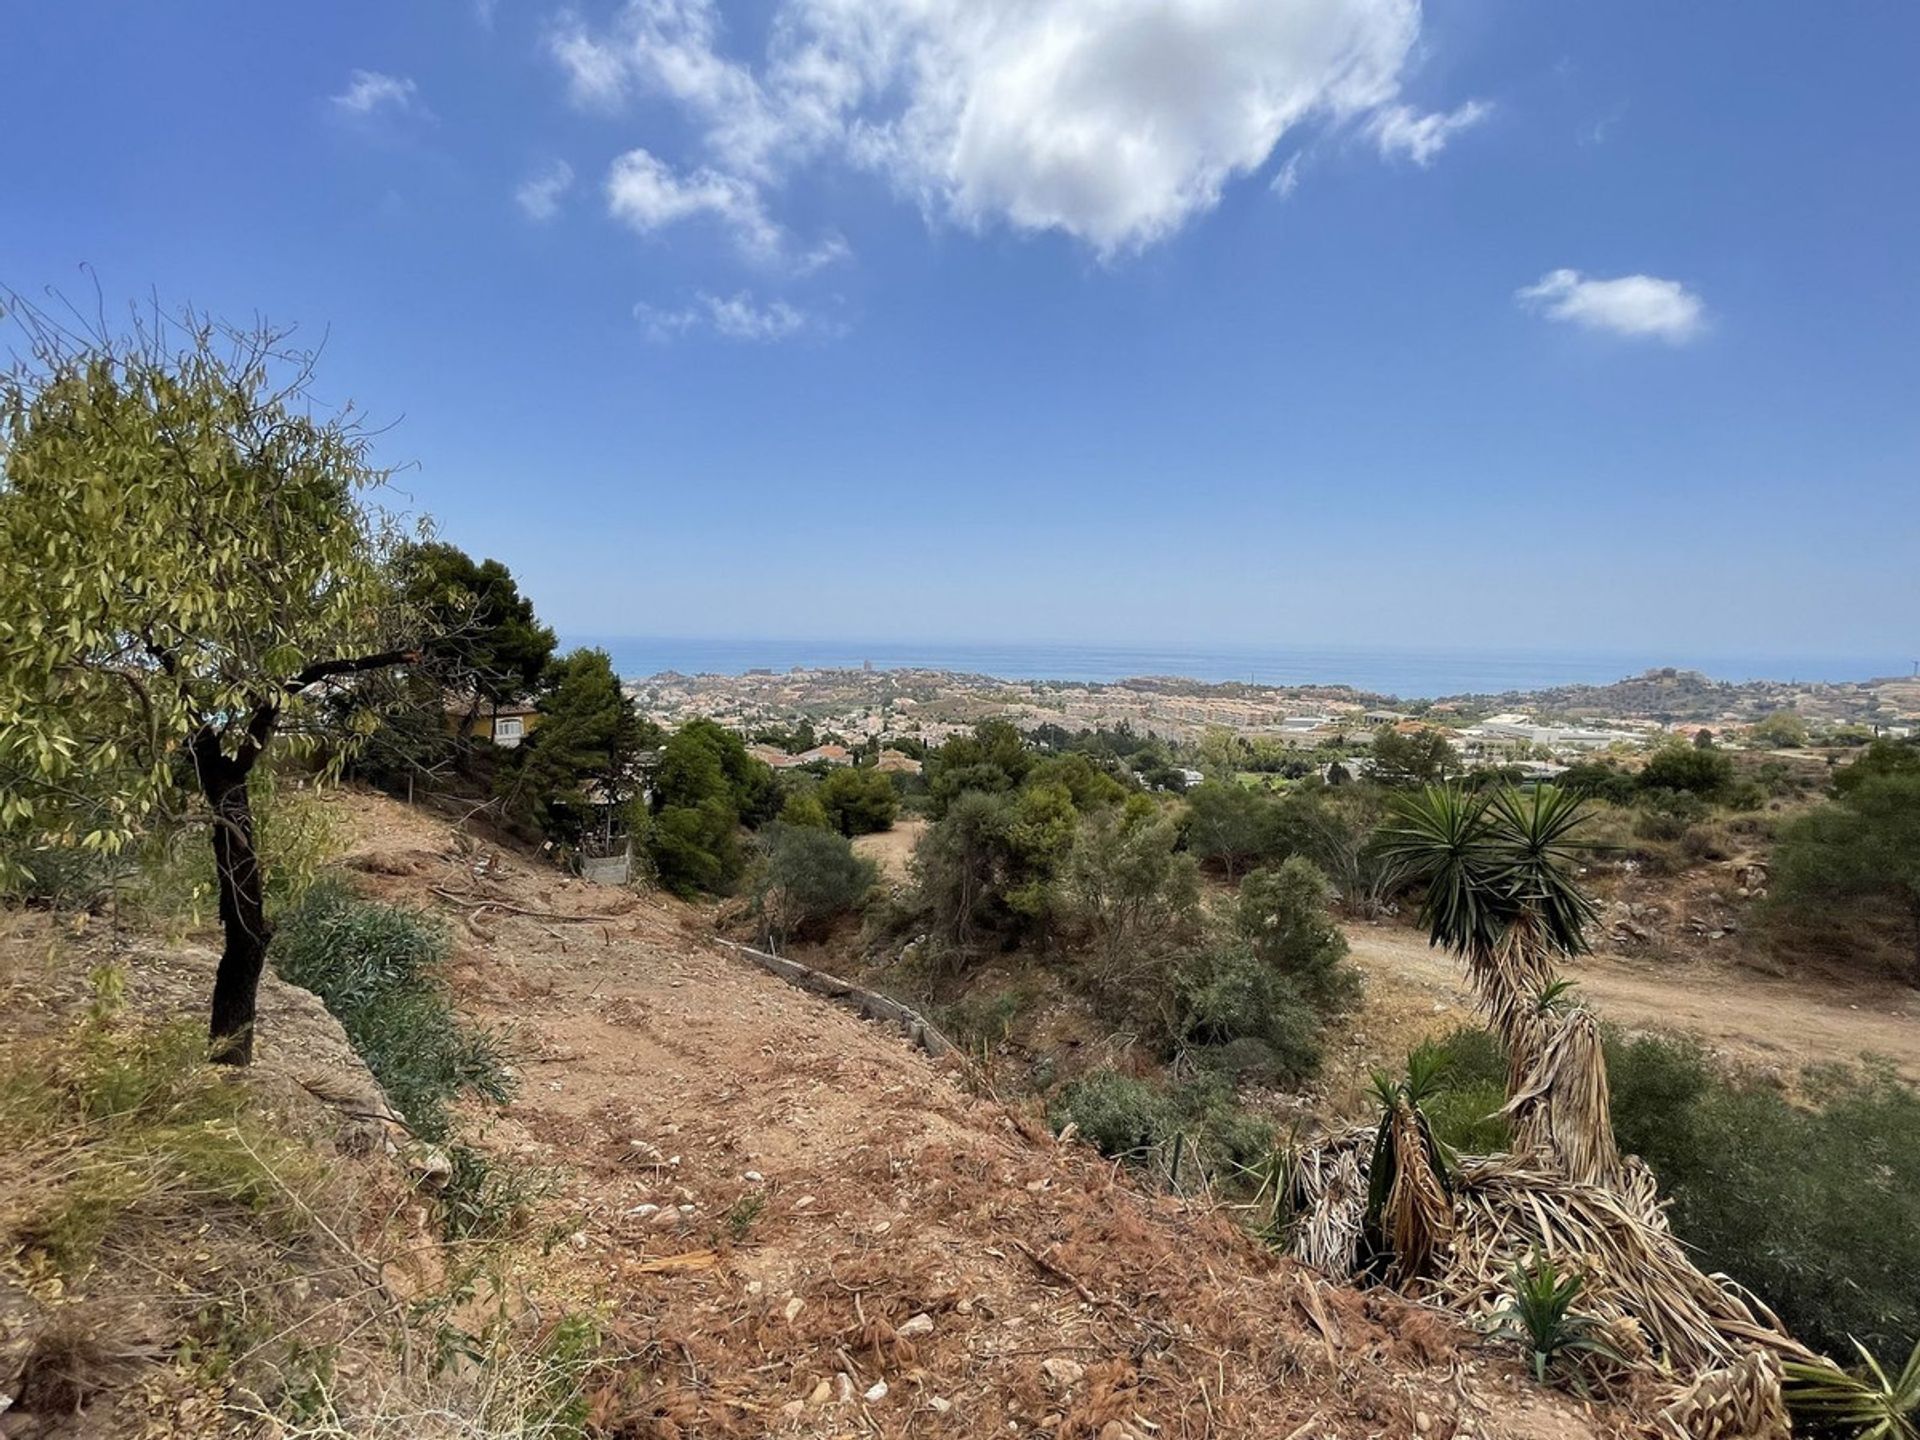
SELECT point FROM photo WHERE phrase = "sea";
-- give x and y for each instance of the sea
(1405, 673)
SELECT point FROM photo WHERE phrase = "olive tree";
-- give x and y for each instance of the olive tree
(186, 570)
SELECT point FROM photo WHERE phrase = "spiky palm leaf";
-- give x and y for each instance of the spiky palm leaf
(1488, 859)
(1869, 1405)
(1539, 1314)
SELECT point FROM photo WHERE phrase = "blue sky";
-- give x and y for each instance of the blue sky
(1221, 321)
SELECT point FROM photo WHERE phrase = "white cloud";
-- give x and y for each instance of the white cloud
(1637, 306)
(1115, 121)
(1287, 179)
(643, 191)
(539, 194)
(1402, 130)
(733, 317)
(370, 93)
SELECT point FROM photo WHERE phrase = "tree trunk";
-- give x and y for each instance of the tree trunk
(243, 905)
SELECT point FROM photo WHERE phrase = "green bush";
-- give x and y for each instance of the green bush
(1257, 1000)
(805, 878)
(1464, 1112)
(1121, 1117)
(376, 969)
(1139, 1120)
(1247, 1016)
(859, 801)
(1689, 769)
(1815, 1208)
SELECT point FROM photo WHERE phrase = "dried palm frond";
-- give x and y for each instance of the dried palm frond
(1636, 1270)
(1418, 1219)
(1330, 1202)
(1563, 1106)
(1741, 1401)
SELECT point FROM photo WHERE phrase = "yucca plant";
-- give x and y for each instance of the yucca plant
(1409, 1214)
(1867, 1404)
(1540, 1316)
(1491, 860)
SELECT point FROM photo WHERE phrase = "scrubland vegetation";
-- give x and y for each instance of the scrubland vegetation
(208, 619)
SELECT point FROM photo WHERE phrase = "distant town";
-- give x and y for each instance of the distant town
(843, 709)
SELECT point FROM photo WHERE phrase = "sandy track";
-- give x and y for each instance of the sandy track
(1751, 1018)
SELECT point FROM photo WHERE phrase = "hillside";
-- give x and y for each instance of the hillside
(789, 1221)
(807, 1227)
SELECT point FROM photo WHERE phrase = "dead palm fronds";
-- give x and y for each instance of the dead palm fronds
(1409, 1214)
(1562, 1108)
(1417, 1220)
(1634, 1266)
(1741, 1401)
(1329, 1200)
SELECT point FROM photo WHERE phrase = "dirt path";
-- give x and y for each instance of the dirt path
(1753, 1019)
(803, 1227)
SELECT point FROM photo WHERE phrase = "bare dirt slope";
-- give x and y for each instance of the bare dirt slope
(798, 1225)
(1769, 1023)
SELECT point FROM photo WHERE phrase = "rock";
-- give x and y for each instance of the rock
(822, 1393)
(1062, 1373)
(921, 1324)
(753, 1177)
(939, 1404)
(794, 1307)
(1422, 1421)
(876, 1392)
(843, 1387)
(794, 1409)
(429, 1166)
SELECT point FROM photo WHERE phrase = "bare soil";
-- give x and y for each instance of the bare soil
(801, 1226)
(1770, 1024)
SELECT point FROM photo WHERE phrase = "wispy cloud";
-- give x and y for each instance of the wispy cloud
(539, 195)
(733, 317)
(1640, 307)
(1400, 130)
(371, 93)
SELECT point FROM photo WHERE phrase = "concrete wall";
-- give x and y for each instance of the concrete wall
(870, 1003)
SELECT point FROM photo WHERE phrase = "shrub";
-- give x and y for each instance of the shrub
(1464, 1112)
(858, 802)
(1283, 914)
(1862, 852)
(1816, 1208)
(1121, 1117)
(1140, 1121)
(803, 808)
(1690, 769)
(1228, 996)
(805, 878)
(1137, 898)
(376, 969)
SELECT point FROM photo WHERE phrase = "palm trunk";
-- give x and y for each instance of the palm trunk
(243, 907)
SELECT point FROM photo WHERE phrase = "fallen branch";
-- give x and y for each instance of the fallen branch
(462, 900)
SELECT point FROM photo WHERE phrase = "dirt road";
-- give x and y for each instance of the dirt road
(1748, 1017)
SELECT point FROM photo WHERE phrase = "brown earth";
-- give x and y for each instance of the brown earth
(892, 850)
(800, 1226)
(1773, 1025)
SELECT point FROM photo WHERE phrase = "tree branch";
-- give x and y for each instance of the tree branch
(355, 665)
